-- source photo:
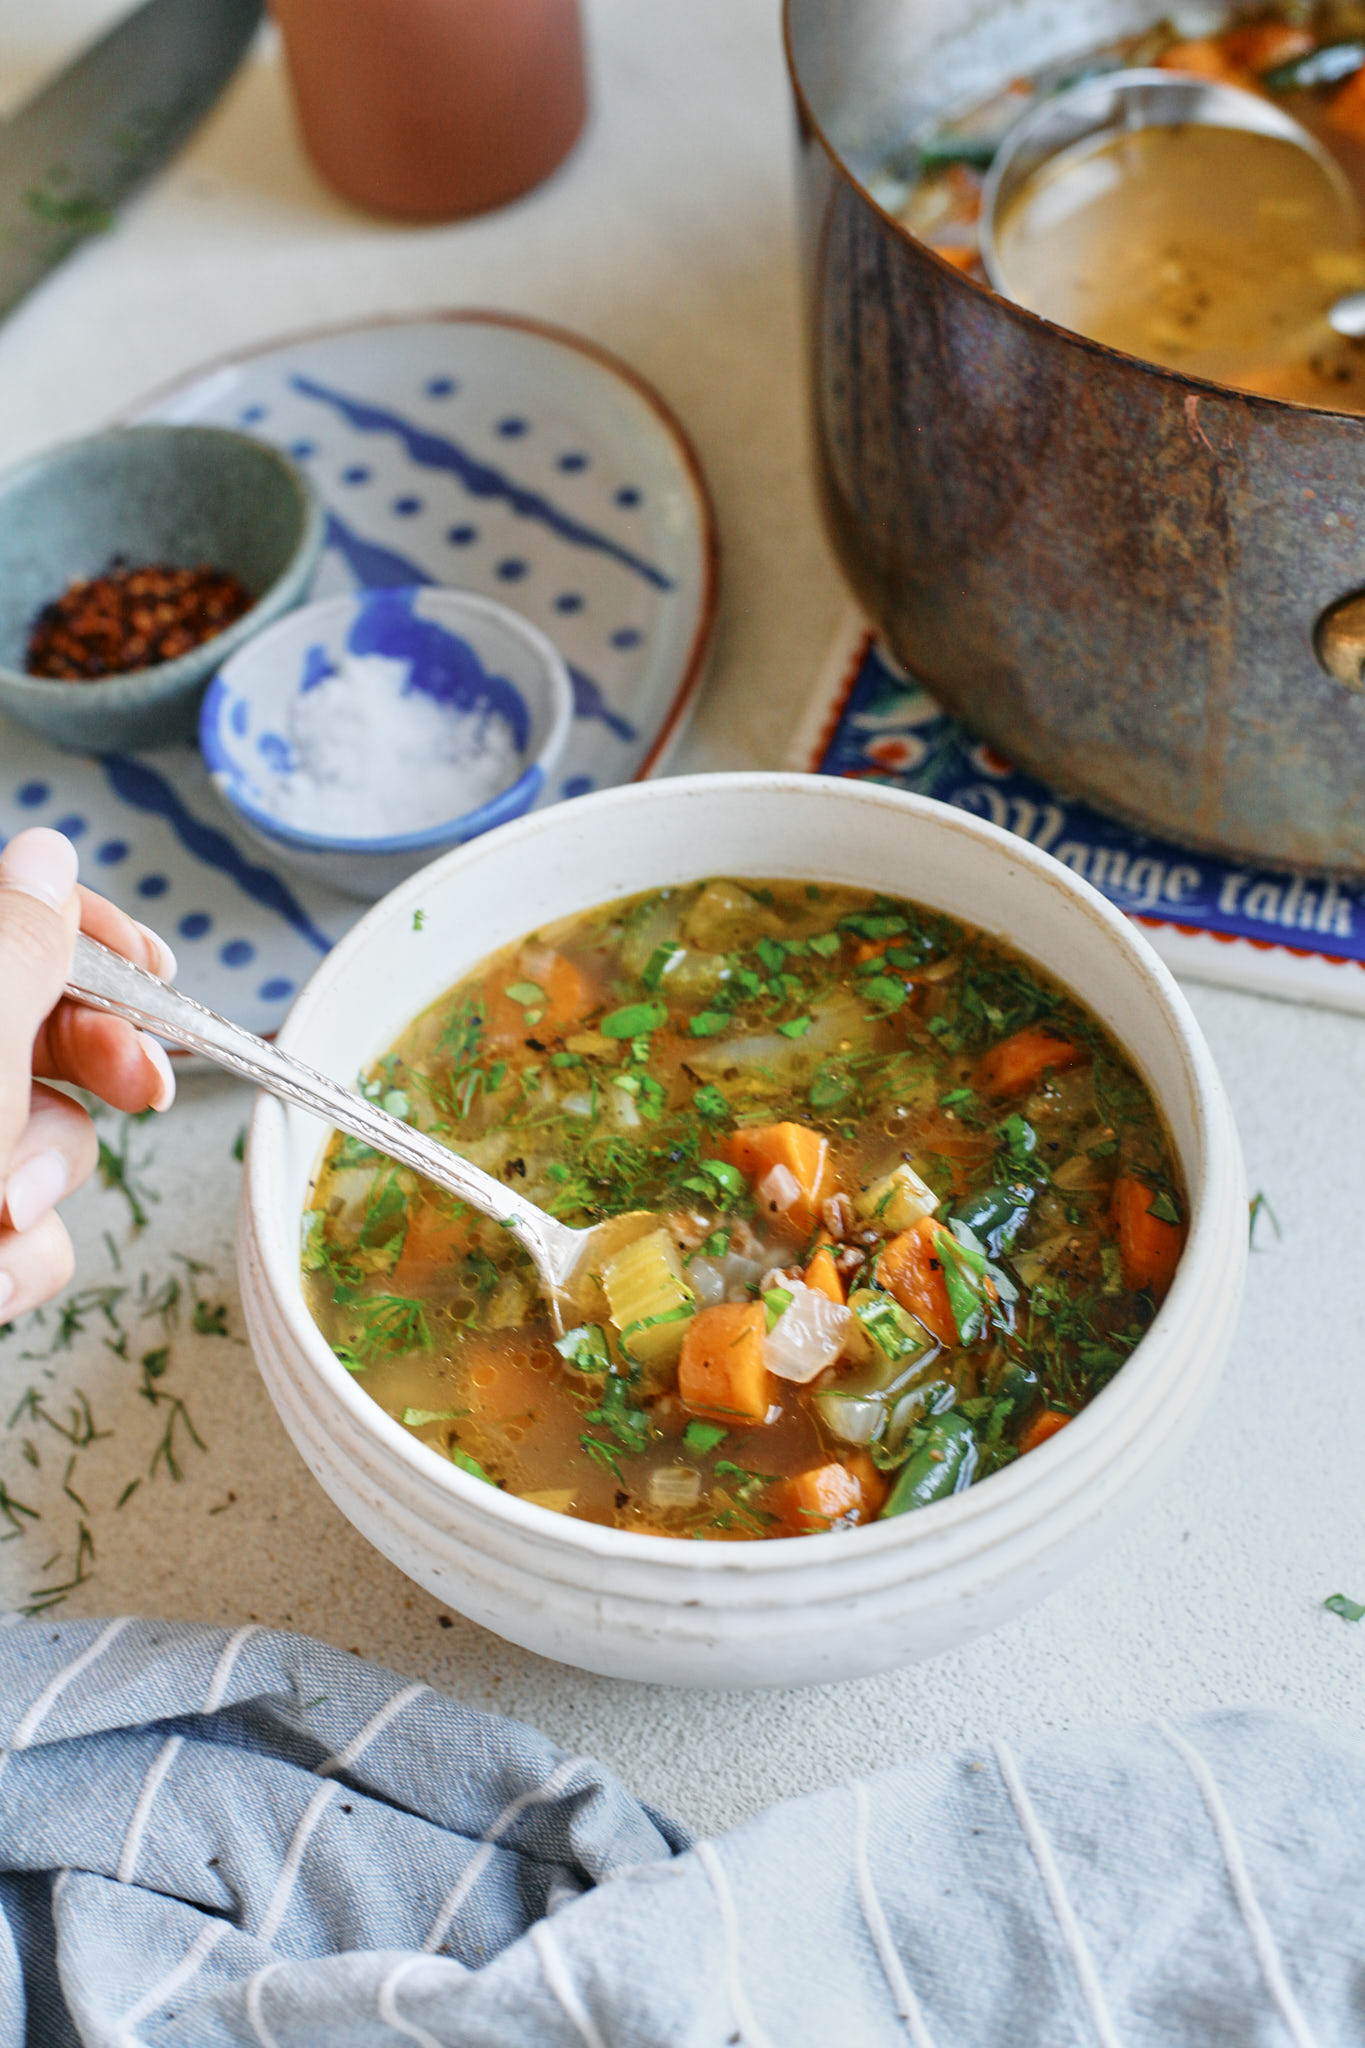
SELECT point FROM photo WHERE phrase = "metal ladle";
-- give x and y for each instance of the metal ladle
(1119, 102)
(566, 1260)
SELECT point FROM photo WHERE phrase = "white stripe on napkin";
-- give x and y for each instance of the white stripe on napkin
(30, 1722)
(1257, 1926)
(137, 1826)
(289, 1869)
(751, 2033)
(1062, 1910)
(907, 2005)
(562, 1985)
(255, 2007)
(386, 2006)
(483, 1856)
(207, 1938)
(222, 1670)
(376, 1724)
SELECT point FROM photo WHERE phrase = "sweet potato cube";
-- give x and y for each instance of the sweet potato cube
(1262, 45)
(1045, 1423)
(823, 1275)
(1207, 57)
(911, 1268)
(1149, 1247)
(721, 1371)
(565, 995)
(804, 1154)
(816, 1499)
(435, 1243)
(1346, 108)
(1018, 1062)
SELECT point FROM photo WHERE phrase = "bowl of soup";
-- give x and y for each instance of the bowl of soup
(948, 1228)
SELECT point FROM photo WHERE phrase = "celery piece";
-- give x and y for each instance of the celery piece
(898, 1200)
(585, 1349)
(895, 1333)
(648, 1297)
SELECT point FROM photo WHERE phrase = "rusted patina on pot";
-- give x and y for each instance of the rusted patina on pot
(1124, 579)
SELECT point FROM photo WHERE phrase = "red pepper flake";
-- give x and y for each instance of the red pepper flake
(132, 618)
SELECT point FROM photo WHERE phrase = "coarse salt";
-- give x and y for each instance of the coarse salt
(370, 756)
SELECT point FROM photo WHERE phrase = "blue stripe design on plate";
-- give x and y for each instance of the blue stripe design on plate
(374, 567)
(381, 568)
(146, 790)
(480, 479)
(588, 702)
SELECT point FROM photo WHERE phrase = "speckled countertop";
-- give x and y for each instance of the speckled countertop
(668, 237)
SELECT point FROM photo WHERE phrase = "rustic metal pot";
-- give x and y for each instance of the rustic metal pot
(1143, 588)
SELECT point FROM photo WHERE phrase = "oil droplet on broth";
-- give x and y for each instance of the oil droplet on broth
(1210, 250)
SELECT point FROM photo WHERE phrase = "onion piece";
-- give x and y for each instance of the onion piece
(537, 962)
(707, 1282)
(807, 1336)
(779, 1190)
(674, 1486)
(853, 1418)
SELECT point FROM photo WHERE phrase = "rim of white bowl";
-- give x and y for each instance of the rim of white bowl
(1220, 1176)
(494, 811)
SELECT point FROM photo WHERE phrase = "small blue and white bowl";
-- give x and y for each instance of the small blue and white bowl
(362, 736)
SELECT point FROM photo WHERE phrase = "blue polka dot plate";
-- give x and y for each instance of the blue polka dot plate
(468, 449)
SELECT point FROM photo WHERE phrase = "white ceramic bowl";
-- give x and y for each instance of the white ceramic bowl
(451, 670)
(812, 1608)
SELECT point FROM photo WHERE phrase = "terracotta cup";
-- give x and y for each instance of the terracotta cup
(432, 109)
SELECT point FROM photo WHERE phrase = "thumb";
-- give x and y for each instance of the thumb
(39, 916)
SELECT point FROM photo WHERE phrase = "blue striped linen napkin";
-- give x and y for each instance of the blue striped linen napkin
(212, 1837)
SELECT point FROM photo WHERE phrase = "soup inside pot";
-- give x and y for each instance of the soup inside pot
(915, 1206)
(1234, 246)
(1213, 251)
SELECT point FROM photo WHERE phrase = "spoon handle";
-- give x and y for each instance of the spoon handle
(102, 980)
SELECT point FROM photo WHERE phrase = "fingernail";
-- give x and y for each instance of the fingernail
(156, 1056)
(34, 1188)
(6, 1291)
(40, 863)
(162, 955)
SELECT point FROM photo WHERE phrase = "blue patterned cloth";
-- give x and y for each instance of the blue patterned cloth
(210, 1837)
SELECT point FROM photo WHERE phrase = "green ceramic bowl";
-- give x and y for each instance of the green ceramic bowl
(182, 495)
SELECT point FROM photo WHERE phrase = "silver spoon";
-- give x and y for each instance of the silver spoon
(567, 1261)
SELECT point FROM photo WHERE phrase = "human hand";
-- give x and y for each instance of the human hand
(47, 1142)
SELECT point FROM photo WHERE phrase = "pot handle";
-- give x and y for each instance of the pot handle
(1339, 641)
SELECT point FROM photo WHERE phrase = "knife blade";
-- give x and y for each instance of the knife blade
(105, 124)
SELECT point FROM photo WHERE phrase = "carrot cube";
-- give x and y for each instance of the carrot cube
(1018, 1062)
(1045, 1423)
(721, 1370)
(823, 1275)
(830, 1493)
(1149, 1247)
(434, 1243)
(1346, 108)
(805, 1155)
(1206, 57)
(911, 1267)
(1262, 45)
(567, 995)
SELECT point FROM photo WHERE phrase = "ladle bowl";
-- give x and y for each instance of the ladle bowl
(1118, 103)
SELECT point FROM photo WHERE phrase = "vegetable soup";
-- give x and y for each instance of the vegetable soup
(1211, 251)
(915, 1210)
